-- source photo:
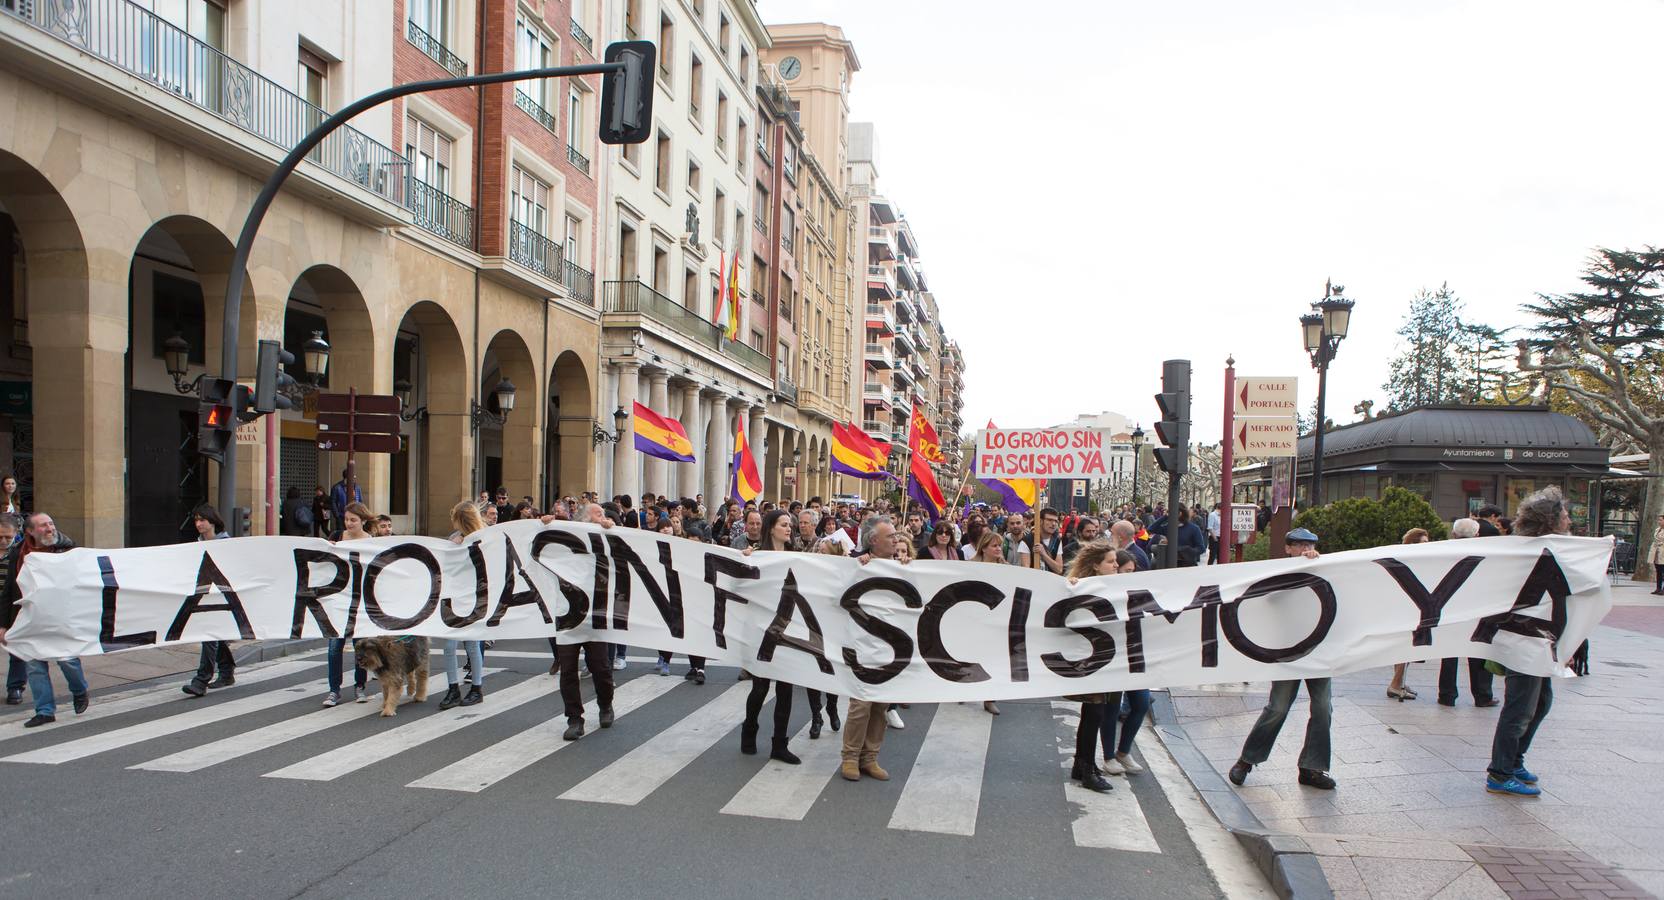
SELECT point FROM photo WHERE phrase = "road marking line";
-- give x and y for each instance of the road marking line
(500, 760)
(1232, 869)
(154, 697)
(782, 791)
(155, 728)
(637, 774)
(239, 745)
(945, 786)
(387, 744)
(1114, 820)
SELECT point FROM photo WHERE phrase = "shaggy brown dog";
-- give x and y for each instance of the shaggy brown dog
(398, 663)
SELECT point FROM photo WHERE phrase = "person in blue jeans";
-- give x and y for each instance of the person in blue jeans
(1314, 754)
(1138, 706)
(40, 536)
(354, 520)
(1526, 699)
(17, 671)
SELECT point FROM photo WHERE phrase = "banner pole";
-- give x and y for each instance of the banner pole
(1227, 508)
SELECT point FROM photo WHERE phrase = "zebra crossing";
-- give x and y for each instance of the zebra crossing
(941, 790)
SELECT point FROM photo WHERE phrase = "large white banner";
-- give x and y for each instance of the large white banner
(927, 631)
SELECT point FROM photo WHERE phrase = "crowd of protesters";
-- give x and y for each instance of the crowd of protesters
(1125, 540)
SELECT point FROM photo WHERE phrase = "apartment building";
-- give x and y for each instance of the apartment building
(677, 222)
(442, 246)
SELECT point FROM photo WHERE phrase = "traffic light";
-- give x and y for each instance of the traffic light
(244, 403)
(1174, 427)
(627, 95)
(270, 378)
(216, 417)
(241, 524)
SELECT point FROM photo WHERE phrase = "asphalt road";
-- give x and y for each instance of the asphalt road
(257, 791)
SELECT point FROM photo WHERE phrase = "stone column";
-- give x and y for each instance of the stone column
(693, 422)
(624, 452)
(719, 428)
(658, 400)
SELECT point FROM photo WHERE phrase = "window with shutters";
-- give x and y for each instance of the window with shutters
(429, 153)
(529, 201)
(533, 50)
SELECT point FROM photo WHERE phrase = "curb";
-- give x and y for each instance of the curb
(1285, 859)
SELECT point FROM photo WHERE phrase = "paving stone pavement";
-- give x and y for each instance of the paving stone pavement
(1411, 814)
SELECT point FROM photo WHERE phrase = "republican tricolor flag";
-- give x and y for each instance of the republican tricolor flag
(661, 436)
(745, 485)
(856, 454)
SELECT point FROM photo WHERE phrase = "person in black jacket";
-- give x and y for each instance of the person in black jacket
(40, 536)
(17, 671)
(215, 654)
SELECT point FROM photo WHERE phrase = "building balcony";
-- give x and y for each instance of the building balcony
(880, 319)
(635, 298)
(534, 251)
(435, 50)
(906, 278)
(902, 378)
(876, 429)
(906, 311)
(879, 356)
(534, 109)
(904, 342)
(442, 214)
(880, 282)
(153, 50)
(787, 391)
(582, 37)
(881, 243)
(579, 281)
(877, 391)
(577, 159)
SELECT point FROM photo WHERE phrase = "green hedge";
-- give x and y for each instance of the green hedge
(1358, 523)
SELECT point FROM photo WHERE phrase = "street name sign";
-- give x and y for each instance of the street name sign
(1265, 397)
(1265, 436)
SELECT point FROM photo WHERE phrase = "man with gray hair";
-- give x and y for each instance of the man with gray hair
(1479, 678)
(864, 722)
(1525, 698)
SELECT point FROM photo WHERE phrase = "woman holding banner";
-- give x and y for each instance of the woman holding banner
(1096, 558)
(354, 520)
(777, 536)
(465, 518)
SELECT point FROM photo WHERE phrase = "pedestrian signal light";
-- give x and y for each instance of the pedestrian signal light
(215, 416)
(627, 94)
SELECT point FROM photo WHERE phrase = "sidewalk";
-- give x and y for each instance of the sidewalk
(1411, 818)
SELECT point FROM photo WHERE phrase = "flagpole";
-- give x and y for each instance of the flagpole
(959, 490)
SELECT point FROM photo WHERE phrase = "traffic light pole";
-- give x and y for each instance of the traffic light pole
(268, 192)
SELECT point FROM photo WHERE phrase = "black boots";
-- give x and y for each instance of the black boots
(606, 717)
(748, 738)
(474, 696)
(1089, 777)
(574, 730)
(1239, 772)
(784, 754)
(814, 727)
(453, 697)
(832, 716)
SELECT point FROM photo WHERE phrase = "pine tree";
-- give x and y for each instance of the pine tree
(1622, 310)
(1428, 369)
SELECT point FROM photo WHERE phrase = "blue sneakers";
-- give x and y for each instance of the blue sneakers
(1524, 775)
(1512, 786)
(663, 668)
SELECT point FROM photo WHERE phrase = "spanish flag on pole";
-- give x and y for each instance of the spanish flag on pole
(661, 436)
(857, 455)
(745, 485)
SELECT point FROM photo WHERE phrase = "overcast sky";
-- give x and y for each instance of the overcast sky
(1098, 185)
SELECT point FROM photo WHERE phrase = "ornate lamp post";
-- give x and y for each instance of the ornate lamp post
(1137, 446)
(1323, 329)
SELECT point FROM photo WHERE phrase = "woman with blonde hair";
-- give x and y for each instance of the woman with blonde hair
(466, 519)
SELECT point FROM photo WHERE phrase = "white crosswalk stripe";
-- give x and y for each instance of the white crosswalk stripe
(104, 709)
(781, 791)
(945, 787)
(637, 774)
(1112, 821)
(500, 760)
(247, 742)
(386, 744)
(155, 728)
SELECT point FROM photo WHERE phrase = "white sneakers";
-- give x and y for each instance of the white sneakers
(894, 718)
(1111, 767)
(1128, 765)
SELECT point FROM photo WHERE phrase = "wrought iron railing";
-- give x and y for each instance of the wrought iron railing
(442, 214)
(760, 222)
(580, 283)
(582, 37)
(534, 251)
(148, 47)
(638, 298)
(577, 159)
(435, 50)
(784, 387)
(534, 109)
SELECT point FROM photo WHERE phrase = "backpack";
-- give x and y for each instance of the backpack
(300, 518)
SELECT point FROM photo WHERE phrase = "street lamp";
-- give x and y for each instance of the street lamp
(1322, 330)
(600, 436)
(315, 356)
(176, 355)
(402, 389)
(504, 393)
(1137, 443)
